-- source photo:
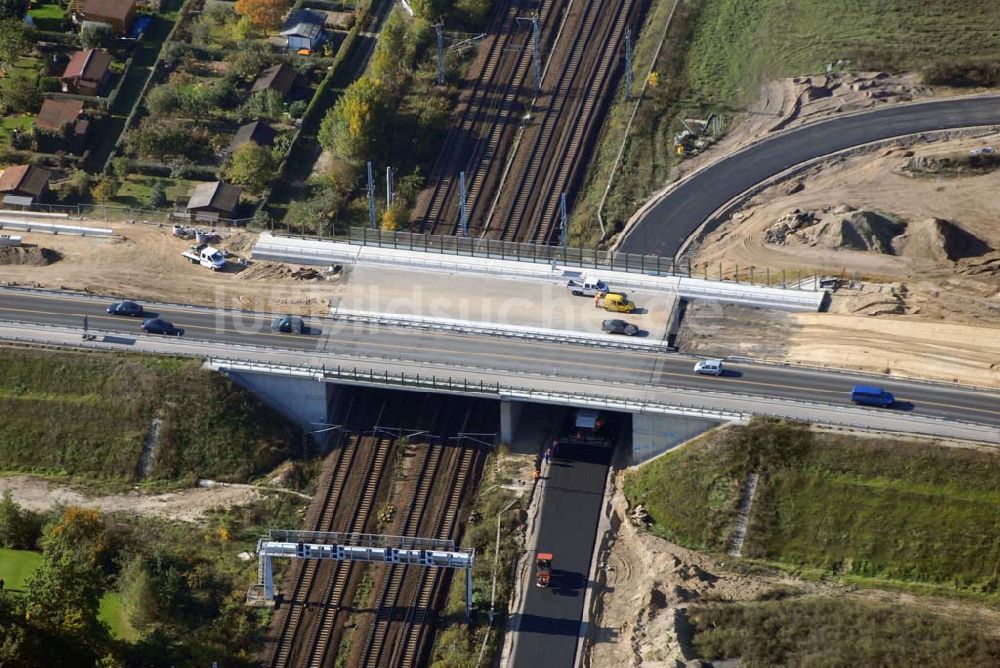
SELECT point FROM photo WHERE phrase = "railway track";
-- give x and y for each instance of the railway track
(346, 453)
(416, 620)
(568, 69)
(375, 645)
(571, 152)
(341, 510)
(454, 153)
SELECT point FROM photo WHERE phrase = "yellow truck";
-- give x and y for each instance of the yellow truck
(615, 301)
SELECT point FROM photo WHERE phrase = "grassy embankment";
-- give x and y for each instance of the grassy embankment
(87, 416)
(718, 52)
(879, 511)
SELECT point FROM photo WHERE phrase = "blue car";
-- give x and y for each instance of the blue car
(160, 326)
(125, 308)
(866, 395)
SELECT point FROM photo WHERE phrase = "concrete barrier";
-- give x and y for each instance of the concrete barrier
(318, 252)
(32, 214)
(55, 228)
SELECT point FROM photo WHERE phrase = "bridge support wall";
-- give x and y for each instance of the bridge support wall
(303, 401)
(652, 435)
(510, 417)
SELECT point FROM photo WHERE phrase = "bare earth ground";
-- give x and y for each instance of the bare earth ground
(651, 582)
(145, 263)
(187, 505)
(942, 315)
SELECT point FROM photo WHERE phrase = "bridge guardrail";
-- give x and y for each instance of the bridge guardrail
(465, 385)
(506, 331)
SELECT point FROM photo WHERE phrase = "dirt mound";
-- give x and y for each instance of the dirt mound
(937, 239)
(34, 256)
(856, 230)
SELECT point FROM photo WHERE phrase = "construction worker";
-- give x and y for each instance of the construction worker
(555, 446)
(597, 300)
(548, 455)
(536, 475)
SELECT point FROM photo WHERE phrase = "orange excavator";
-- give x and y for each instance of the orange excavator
(543, 564)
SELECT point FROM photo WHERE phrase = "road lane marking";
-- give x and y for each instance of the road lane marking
(510, 356)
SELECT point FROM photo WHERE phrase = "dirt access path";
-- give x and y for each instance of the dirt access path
(188, 505)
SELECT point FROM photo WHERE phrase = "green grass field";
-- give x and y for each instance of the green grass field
(48, 16)
(719, 52)
(17, 565)
(842, 631)
(874, 511)
(87, 416)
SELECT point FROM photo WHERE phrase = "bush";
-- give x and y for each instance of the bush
(49, 85)
(297, 108)
(168, 138)
(965, 74)
(264, 104)
(20, 529)
(22, 95)
(157, 195)
(99, 36)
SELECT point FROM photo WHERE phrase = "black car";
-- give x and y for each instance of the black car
(125, 308)
(160, 326)
(619, 327)
(289, 324)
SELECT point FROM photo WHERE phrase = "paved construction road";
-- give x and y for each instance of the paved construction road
(667, 224)
(510, 357)
(548, 624)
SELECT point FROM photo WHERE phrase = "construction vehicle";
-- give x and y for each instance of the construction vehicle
(587, 287)
(615, 301)
(206, 256)
(543, 574)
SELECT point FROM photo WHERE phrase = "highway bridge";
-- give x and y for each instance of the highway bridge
(646, 384)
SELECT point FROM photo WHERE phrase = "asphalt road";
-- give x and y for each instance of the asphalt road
(549, 624)
(664, 228)
(510, 356)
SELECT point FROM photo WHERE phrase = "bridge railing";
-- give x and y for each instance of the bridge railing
(497, 249)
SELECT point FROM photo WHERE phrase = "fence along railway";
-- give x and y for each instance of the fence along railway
(363, 471)
(514, 188)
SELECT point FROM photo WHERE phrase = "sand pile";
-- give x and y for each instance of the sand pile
(854, 230)
(845, 228)
(34, 256)
(937, 239)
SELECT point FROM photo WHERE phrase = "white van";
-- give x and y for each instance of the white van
(709, 367)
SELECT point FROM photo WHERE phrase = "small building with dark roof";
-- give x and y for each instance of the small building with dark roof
(119, 14)
(87, 73)
(24, 185)
(303, 29)
(213, 200)
(281, 78)
(258, 132)
(65, 119)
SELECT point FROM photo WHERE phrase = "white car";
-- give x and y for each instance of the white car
(709, 367)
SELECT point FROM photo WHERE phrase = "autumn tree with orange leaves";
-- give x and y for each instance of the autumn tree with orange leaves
(266, 14)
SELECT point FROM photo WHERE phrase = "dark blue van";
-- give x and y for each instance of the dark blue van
(867, 395)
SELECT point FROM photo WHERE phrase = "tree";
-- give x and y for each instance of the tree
(349, 129)
(264, 14)
(106, 189)
(252, 166)
(393, 55)
(157, 195)
(138, 593)
(264, 104)
(13, 9)
(121, 167)
(96, 36)
(19, 528)
(22, 95)
(14, 43)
